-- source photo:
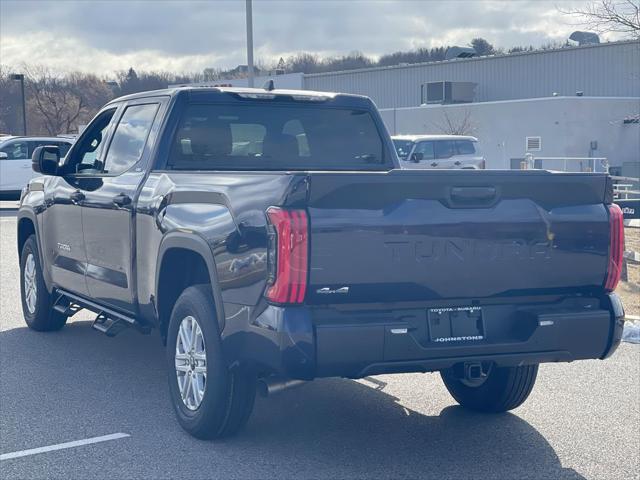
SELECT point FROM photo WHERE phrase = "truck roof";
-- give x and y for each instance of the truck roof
(418, 138)
(171, 91)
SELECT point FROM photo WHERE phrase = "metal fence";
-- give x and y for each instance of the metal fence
(563, 164)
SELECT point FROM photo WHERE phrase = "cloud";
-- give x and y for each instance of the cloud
(186, 36)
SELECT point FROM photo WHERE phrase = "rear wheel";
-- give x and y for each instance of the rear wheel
(503, 388)
(36, 301)
(210, 400)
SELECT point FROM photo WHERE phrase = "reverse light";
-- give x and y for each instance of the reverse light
(288, 255)
(616, 248)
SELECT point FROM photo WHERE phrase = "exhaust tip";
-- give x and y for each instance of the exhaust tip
(269, 386)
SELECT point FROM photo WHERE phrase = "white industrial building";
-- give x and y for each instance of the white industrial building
(581, 101)
(601, 70)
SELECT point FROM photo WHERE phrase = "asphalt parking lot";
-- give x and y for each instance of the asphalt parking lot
(581, 421)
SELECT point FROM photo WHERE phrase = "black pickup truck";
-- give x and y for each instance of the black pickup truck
(270, 238)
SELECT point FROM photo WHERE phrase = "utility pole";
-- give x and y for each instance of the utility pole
(250, 43)
(20, 77)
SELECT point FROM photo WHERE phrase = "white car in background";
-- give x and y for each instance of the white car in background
(15, 160)
(438, 151)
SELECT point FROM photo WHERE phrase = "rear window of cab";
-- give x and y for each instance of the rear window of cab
(271, 136)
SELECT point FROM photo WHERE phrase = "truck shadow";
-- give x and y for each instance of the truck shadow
(77, 383)
(328, 420)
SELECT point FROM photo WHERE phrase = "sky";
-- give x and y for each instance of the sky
(187, 36)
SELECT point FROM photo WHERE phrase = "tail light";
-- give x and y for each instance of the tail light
(287, 256)
(616, 248)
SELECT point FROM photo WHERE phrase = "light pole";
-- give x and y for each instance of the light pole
(20, 77)
(250, 44)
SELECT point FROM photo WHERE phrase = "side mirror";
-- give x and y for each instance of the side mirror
(45, 160)
(3, 155)
(417, 157)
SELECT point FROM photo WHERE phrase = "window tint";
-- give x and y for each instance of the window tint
(465, 147)
(129, 138)
(403, 147)
(444, 148)
(16, 151)
(63, 146)
(275, 136)
(246, 139)
(34, 145)
(426, 149)
(295, 128)
(87, 153)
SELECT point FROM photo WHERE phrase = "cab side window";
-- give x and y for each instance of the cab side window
(86, 156)
(130, 138)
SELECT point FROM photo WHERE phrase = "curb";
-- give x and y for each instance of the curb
(632, 318)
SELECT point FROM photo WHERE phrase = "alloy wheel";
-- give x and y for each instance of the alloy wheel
(30, 284)
(191, 362)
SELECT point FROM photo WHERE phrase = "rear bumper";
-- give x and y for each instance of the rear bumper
(305, 342)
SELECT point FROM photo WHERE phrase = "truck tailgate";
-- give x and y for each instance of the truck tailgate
(413, 235)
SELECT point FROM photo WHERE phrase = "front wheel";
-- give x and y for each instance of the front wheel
(210, 400)
(37, 305)
(504, 388)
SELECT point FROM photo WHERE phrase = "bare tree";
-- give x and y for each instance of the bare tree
(9, 102)
(456, 124)
(303, 62)
(58, 104)
(609, 16)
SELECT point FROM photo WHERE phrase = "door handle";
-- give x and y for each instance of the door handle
(457, 163)
(122, 200)
(77, 196)
(434, 164)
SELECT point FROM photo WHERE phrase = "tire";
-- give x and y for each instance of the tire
(37, 303)
(227, 396)
(505, 388)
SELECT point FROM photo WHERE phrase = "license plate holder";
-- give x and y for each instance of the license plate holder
(456, 324)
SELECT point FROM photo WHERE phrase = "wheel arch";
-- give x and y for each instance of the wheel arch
(27, 226)
(184, 259)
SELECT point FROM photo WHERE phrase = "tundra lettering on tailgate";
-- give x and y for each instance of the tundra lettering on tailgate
(465, 249)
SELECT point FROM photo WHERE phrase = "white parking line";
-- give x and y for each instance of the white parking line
(62, 446)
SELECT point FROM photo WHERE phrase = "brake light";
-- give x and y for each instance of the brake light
(287, 255)
(616, 248)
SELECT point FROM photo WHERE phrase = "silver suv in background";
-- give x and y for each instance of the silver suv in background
(438, 151)
(15, 160)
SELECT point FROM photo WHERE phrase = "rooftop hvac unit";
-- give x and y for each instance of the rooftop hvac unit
(459, 52)
(448, 92)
